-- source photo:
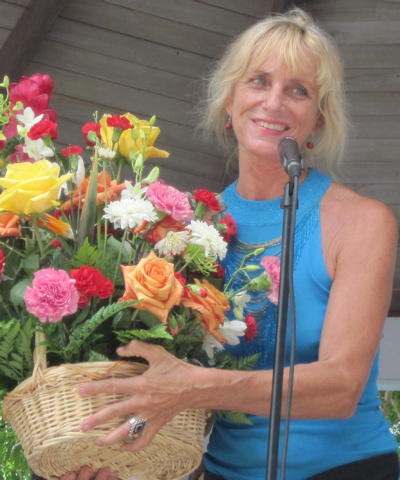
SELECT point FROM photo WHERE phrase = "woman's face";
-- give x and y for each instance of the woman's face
(270, 102)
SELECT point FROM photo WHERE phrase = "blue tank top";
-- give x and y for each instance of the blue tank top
(238, 451)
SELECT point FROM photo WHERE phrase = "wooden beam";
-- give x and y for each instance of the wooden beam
(26, 36)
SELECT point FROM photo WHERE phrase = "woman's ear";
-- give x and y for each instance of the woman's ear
(318, 124)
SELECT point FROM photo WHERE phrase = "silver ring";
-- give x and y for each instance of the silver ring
(137, 426)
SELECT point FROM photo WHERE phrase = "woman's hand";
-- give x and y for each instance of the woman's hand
(86, 472)
(158, 395)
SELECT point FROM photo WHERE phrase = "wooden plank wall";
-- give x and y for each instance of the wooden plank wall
(149, 56)
(368, 35)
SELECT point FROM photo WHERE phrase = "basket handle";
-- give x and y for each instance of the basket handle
(39, 354)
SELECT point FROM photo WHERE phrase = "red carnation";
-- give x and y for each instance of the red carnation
(181, 279)
(251, 329)
(43, 128)
(73, 150)
(220, 272)
(2, 261)
(118, 121)
(91, 127)
(2, 144)
(106, 288)
(91, 283)
(87, 280)
(208, 198)
(230, 228)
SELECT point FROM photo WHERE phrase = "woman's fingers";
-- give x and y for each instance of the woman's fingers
(117, 410)
(85, 473)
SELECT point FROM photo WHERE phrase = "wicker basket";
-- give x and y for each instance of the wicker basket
(46, 412)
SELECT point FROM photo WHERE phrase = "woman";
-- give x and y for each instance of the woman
(283, 77)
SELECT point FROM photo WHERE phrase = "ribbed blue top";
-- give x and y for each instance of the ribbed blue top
(237, 451)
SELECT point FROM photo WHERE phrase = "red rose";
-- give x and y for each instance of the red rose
(208, 198)
(34, 92)
(91, 127)
(43, 128)
(118, 121)
(230, 228)
(251, 329)
(73, 150)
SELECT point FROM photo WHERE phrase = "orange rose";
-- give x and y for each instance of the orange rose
(9, 225)
(152, 281)
(212, 307)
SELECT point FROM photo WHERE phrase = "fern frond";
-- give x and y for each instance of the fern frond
(83, 332)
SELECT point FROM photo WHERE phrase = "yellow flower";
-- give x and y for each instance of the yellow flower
(31, 187)
(126, 142)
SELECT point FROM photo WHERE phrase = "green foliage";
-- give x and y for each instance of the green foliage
(13, 465)
(234, 417)
(82, 331)
(154, 333)
(88, 255)
(16, 358)
(391, 410)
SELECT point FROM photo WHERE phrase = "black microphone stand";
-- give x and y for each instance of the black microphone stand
(289, 205)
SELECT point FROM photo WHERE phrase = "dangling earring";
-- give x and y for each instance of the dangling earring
(228, 124)
(310, 145)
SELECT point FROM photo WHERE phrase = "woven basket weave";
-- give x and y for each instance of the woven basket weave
(46, 412)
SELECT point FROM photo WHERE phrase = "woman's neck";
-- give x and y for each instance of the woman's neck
(263, 180)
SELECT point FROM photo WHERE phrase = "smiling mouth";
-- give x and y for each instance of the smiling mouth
(271, 126)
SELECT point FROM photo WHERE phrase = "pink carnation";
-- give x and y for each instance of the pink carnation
(273, 270)
(52, 296)
(169, 200)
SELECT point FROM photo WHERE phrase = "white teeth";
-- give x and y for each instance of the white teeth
(272, 126)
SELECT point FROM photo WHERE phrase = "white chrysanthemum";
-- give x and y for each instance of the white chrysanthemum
(36, 149)
(106, 153)
(130, 212)
(232, 330)
(173, 243)
(208, 237)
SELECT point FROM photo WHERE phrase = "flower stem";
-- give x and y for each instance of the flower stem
(37, 233)
(117, 266)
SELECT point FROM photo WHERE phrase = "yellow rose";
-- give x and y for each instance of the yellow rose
(31, 187)
(153, 282)
(126, 142)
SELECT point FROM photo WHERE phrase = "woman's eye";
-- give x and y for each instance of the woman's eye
(301, 91)
(259, 81)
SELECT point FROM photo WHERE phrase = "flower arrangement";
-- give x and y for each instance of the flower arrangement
(90, 260)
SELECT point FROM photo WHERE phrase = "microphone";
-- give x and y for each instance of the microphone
(291, 159)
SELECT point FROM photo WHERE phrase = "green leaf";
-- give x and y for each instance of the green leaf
(32, 262)
(17, 293)
(156, 332)
(83, 332)
(234, 417)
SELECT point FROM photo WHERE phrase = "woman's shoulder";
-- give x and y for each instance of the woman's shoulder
(347, 206)
(354, 225)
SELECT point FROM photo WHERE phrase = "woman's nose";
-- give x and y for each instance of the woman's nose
(274, 98)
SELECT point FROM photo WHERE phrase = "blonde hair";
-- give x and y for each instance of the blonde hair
(294, 32)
